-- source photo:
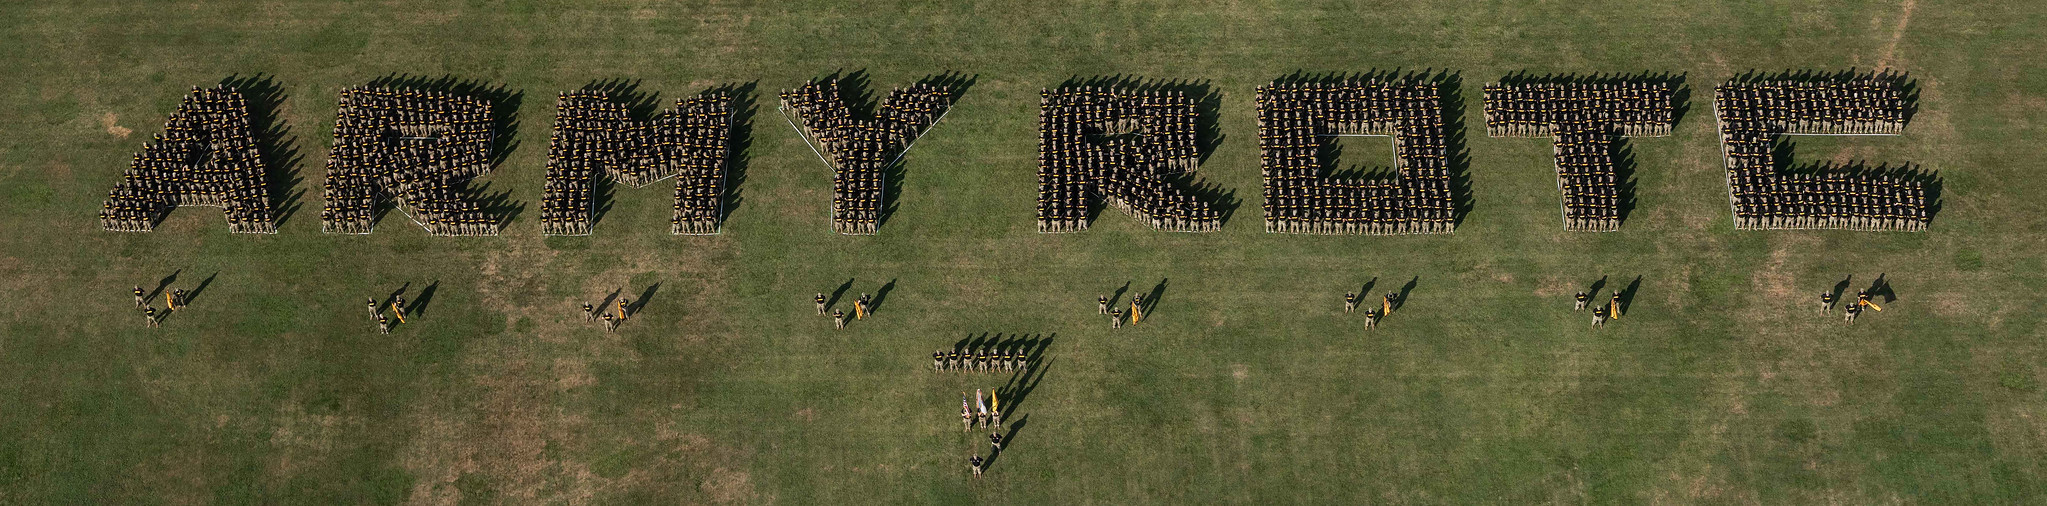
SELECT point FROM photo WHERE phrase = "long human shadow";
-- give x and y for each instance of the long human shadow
(874, 304)
(1596, 285)
(426, 295)
(1882, 287)
(1365, 293)
(633, 308)
(1116, 299)
(1401, 301)
(161, 284)
(1628, 294)
(1151, 300)
(836, 294)
(1842, 287)
(388, 299)
(1020, 387)
(276, 147)
(1008, 441)
(739, 143)
(194, 294)
(605, 305)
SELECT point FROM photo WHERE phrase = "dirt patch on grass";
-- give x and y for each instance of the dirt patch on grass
(1889, 55)
(110, 122)
(728, 486)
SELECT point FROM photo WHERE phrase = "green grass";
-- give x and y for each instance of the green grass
(1246, 385)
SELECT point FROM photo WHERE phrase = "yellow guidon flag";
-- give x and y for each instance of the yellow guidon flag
(167, 301)
(994, 404)
(1136, 314)
(1614, 307)
(395, 311)
(1871, 305)
(859, 310)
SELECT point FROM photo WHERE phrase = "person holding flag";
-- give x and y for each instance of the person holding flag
(1136, 308)
(1862, 299)
(995, 410)
(1613, 306)
(980, 408)
(966, 414)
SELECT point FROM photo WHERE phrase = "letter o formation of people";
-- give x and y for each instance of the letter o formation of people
(1129, 144)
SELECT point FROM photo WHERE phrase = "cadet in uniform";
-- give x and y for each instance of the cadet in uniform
(820, 304)
(995, 440)
(1371, 318)
(1350, 302)
(938, 360)
(138, 298)
(1116, 319)
(1826, 302)
(149, 312)
(1582, 299)
(1599, 316)
(589, 312)
(1101, 303)
(1854, 310)
(839, 319)
(383, 324)
(975, 463)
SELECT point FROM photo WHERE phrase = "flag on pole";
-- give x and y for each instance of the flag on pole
(994, 403)
(979, 405)
(396, 311)
(167, 301)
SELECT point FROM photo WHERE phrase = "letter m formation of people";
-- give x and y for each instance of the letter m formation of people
(1105, 142)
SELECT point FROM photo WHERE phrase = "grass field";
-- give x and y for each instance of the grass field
(1246, 385)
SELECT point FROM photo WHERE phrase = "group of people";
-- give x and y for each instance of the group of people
(1298, 119)
(1611, 310)
(419, 146)
(1119, 147)
(1636, 108)
(860, 151)
(206, 156)
(611, 317)
(985, 412)
(384, 322)
(986, 359)
(862, 306)
(1136, 313)
(1754, 111)
(1854, 309)
(1387, 304)
(593, 132)
(1586, 120)
(174, 299)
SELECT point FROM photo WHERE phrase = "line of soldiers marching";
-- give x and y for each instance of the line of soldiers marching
(1753, 113)
(417, 146)
(1295, 123)
(860, 151)
(1119, 147)
(206, 156)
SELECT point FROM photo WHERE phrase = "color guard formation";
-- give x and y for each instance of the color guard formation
(1120, 146)
(860, 151)
(1754, 110)
(1297, 120)
(418, 146)
(1586, 117)
(206, 156)
(593, 132)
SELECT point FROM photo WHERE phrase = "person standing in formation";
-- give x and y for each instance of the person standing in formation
(1826, 302)
(1862, 299)
(589, 312)
(179, 296)
(138, 298)
(839, 319)
(938, 360)
(1371, 318)
(1599, 316)
(966, 414)
(1101, 303)
(1136, 308)
(1582, 299)
(1386, 304)
(1613, 306)
(610, 324)
(398, 308)
(373, 308)
(1350, 302)
(621, 308)
(1116, 319)
(974, 462)
(820, 303)
(383, 324)
(149, 313)
(995, 441)
(1854, 310)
